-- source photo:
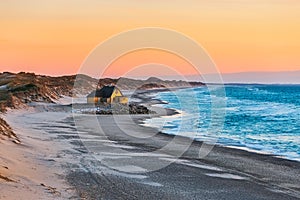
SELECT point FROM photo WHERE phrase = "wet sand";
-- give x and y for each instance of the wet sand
(223, 174)
(110, 164)
(114, 157)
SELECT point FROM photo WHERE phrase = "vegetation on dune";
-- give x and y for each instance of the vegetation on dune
(17, 90)
(6, 130)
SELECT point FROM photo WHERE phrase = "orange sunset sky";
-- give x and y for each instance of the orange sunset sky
(54, 37)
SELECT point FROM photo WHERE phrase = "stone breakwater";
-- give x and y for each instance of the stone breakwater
(113, 109)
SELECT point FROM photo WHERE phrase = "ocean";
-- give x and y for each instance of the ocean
(258, 118)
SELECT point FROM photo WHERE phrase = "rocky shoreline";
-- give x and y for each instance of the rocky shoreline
(115, 109)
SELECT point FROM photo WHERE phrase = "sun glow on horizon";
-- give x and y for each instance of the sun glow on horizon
(54, 37)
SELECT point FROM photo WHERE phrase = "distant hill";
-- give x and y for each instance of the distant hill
(16, 90)
(152, 83)
(284, 77)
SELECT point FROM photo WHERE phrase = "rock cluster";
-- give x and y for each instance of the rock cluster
(117, 109)
(139, 109)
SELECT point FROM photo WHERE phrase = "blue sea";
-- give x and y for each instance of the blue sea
(254, 117)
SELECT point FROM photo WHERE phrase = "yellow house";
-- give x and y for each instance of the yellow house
(107, 94)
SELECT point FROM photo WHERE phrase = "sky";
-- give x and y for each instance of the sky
(54, 37)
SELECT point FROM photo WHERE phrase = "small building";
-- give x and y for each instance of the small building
(107, 94)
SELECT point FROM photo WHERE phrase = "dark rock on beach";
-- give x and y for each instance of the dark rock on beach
(117, 109)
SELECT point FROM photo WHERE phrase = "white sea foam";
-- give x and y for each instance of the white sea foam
(253, 123)
(191, 164)
(155, 184)
(120, 146)
(130, 169)
(226, 176)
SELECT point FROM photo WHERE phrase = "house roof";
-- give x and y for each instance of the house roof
(104, 92)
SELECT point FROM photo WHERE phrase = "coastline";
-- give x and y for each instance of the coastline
(155, 101)
(224, 173)
(264, 172)
(223, 149)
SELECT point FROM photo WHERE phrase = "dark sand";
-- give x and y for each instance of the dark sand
(247, 175)
(118, 161)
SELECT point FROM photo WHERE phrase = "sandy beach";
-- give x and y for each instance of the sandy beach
(150, 100)
(68, 156)
(31, 171)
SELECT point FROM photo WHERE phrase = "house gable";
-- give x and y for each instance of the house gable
(107, 94)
